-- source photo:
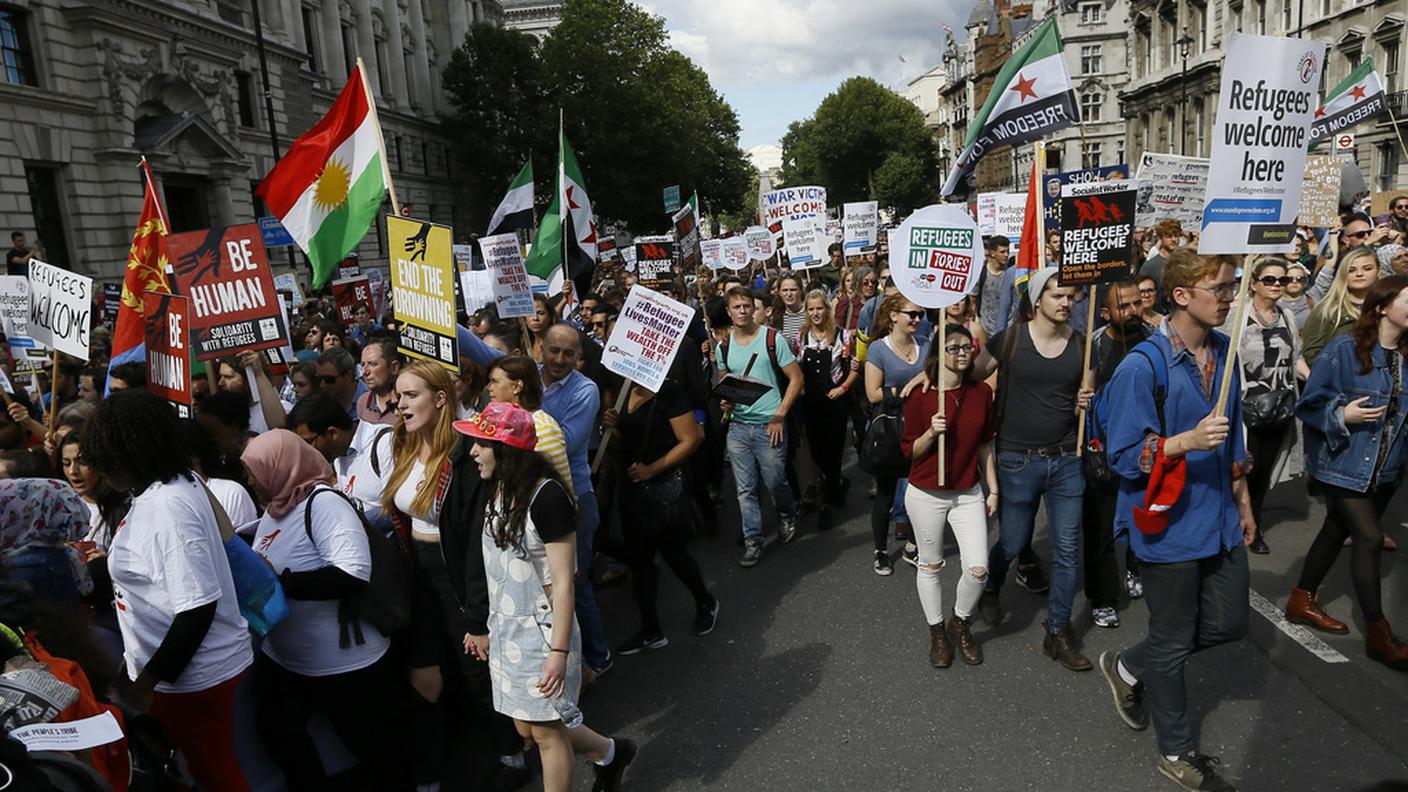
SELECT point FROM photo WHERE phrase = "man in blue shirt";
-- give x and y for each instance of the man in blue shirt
(1183, 488)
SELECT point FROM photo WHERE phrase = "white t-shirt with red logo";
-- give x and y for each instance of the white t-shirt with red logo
(167, 558)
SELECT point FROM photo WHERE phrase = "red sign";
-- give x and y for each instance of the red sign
(348, 294)
(225, 274)
(168, 349)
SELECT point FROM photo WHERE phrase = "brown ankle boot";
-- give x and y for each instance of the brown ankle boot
(1304, 608)
(968, 647)
(1381, 645)
(1061, 647)
(940, 650)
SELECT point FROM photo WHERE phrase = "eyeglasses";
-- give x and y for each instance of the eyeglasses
(1272, 280)
(1147, 291)
(1356, 235)
(1225, 291)
(1300, 279)
(598, 324)
(964, 349)
(329, 379)
(868, 282)
(1396, 207)
(913, 315)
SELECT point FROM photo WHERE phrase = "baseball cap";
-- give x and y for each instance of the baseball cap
(501, 422)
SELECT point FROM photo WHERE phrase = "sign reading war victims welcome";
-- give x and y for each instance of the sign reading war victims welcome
(225, 273)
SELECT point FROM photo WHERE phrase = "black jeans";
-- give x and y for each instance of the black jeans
(1263, 445)
(1356, 515)
(880, 508)
(1102, 572)
(365, 708)
(826, 435)
(1193, 605)
(645, 538)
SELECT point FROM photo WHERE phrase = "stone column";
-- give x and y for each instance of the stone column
(333, 56)
(459, 21)
(366, 44)
(293, 12)
(224, 200)
(400, 81)
(427, 94)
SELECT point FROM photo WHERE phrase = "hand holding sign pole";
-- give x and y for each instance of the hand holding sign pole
(644, 342)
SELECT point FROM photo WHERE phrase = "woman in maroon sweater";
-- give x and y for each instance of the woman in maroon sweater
(966, 429)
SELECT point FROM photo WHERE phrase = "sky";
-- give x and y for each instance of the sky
(775, 60)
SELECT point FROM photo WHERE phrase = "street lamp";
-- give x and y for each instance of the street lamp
(1183, 43)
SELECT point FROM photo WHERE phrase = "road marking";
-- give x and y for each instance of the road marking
(1299, 634)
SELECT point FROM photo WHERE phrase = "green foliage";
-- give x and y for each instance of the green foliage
(902, 184)
(860, 129)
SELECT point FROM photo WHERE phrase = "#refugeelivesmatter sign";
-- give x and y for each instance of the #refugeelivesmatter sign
(1097, 232)
(225, 273)
(1171, 188)
(761, 245)
(507, 276)
(423, 289)
(1265, 107)
(168, 348)
(60, 308)
(646, 337)
(936, 256)
(860, 224)
(806, 240)
(734, 251)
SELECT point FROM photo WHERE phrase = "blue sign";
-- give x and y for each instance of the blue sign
(274, 233)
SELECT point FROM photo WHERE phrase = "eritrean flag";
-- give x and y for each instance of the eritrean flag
(328, 188)
(1031, 97)
(1358, 98)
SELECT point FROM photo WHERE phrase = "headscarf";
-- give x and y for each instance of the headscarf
(286, 467)
(44, 513)
(1386, 253)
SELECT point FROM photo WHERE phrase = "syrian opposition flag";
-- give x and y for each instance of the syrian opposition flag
(516, 209)
(1031, 97)
(1359, 98)
(328, 188)
(568, 217)
(146, 271)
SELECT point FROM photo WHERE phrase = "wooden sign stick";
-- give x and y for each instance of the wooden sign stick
(1085, 367)
(606, 438)
(1220, 408)
(943, 394)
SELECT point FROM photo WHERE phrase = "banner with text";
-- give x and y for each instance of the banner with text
(805, 241)
(761, 245)
(790, 203)
(513, 296)
(1171, 188)
(225, 273)
(1320, 195)
(348, 295)
(646, 337)
(936, 255)
(860, 227)
(477, 289)
(168, 348)
(687, 237)
(1055, 181)
(655, 265)
(711, 252)
(423, 289)
(14, 323)
(1097, 232)
(60, 308)
(735, 252)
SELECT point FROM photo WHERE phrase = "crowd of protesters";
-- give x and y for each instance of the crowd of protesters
(491, 502)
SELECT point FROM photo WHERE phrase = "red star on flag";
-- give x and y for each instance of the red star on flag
(1357, 92)
(571, 204)
(1320, 112)
(1024, 87)
(591, 238)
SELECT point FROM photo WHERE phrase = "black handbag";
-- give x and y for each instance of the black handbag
(666, 495)
(1268, 408)
(880, 452)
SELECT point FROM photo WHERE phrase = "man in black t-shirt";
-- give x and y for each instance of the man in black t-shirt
(18, 256)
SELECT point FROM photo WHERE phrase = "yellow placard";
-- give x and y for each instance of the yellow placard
(423, 287)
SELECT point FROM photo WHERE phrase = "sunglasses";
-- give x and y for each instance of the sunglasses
(1272, 280)
(913, 315)
(965, 349)
(1357, 235)
(598, 324)
(1299, 279)
(328, 379)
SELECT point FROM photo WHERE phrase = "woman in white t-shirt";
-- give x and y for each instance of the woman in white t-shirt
(185, 644)
(321, 658)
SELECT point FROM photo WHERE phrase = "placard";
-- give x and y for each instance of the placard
(1171, 188)
(477, 290)
(671, 197)
(112, 302)
(60, 308)
(347, 295)
(628, 258)
(288, 282)
(1320, 195)
(1053, 182)
(761, 245)
(168, 348)
(734, 251)
(687, 238)
(464, 256)
(225, 273)
(646, 337)
(806, 241)
(860, 223)
(711, 252)
(14, 310)
(1270, 89)
(655, 265)
(794, 203)
(985, 211)
(423, 289)
(936, 256)
(1097, 232)
(1009, 212)
(508, 278)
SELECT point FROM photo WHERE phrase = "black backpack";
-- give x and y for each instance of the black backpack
(385, 602)
(880, 452)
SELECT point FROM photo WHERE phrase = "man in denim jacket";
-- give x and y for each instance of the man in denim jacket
(1183, 503)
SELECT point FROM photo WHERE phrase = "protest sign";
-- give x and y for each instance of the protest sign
(936, 256)
(464, 256)
(655, 265)
(687, 237)
(477, 288)
(1053, 182)
(1320, 196)
(354, 270)
(70, 736)
(14, 310)
(628, 258)
(806, 241)
(606, 248)
(508, 279)
(734, 251)
(60, 308)
(6, 386)
(348, 294)
(761, 246)
(860, 227)
(791, 203)
(1170, 188)
(225, 273)
(168, 348)
(671, 196)
(1097, 232)
(423, 289)
(273, 234)
(985, 211)
(711, 252)
(1268, 98)
(288, 282)
(646, 337)
(112, 301)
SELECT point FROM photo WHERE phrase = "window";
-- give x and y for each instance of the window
(1325, 9)
(244, 89)
(1286, 25)
(1146, 51)
(424, 157)
(1261, 17)
(1091, 13)
(349, 47)
(408, 60)
(187, 203)
(1198, 140)
(260, 208)
(1388, 165)
(1090, 155)
(1090, 59)
(1200, 18)
(16, 57)
(1119, 151)
(1354, 54)
(396, 150)
(383, 69)
(47, 208)
(1090, 106)
(1236, 12)
(1390, 66)
(310, 37)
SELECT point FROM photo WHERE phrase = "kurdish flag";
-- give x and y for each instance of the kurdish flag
(516, 209)
(1358, 98)
(1032, 96)
(568, 218)
(328, 188)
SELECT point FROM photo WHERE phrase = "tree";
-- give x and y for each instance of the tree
(860, 128)
(902, 186)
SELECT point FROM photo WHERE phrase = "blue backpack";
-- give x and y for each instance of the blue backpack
(1096, 463)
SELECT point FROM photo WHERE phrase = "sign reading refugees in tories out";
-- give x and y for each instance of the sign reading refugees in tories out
(60, 309)
(1097, 232)
(936, 256)
(860, 223)
(655, 264)
(168, 348)
(423, 288)
(225, 273)
(1268, 99)
(508, 278)
(761, 246)
(348, 294)
(646, 337)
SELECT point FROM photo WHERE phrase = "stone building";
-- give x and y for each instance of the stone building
(90, 86)
(534, 17)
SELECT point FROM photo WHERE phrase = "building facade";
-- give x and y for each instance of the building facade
(90, 87)
(534, 17)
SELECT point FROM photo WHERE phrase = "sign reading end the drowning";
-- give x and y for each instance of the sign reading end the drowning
(646, 337)
(423, 286)
(225, 273)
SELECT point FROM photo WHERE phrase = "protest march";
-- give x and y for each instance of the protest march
(280, 513)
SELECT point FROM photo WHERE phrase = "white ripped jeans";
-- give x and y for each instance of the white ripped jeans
(966, 514)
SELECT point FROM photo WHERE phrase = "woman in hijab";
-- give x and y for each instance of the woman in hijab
(1393, 259)
(39, 518)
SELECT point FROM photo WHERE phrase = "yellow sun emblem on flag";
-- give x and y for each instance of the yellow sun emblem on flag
(333, 183)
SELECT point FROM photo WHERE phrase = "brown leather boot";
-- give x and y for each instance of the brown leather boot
(1381, 645)
(1061, 647)
(968, 647)
(940, 650)
(1304, 608)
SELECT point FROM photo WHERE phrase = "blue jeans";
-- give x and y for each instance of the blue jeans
(1023, 480)
(594, 648)
(750, 453)
(901, 513)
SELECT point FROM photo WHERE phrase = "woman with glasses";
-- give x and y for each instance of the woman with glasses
(848, 304)
(1294, 298)
(966, 429)
(891, 362)
(1148, 298)
(827, 377)
(1336, 313)
(1271, 365)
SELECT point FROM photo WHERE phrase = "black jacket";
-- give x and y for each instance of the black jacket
(461, 526)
